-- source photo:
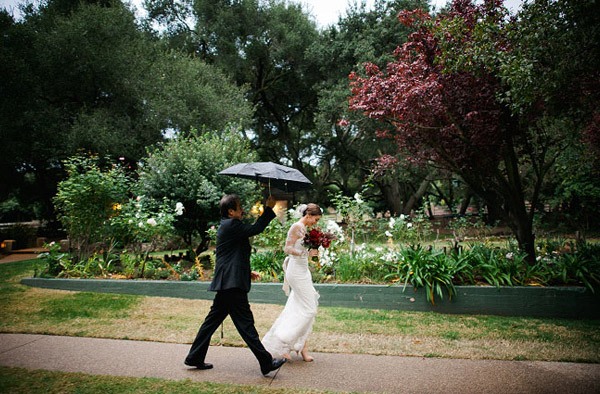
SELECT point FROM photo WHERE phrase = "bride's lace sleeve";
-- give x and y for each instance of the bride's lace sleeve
(295, 233)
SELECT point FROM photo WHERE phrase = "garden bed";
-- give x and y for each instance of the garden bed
(560, 302)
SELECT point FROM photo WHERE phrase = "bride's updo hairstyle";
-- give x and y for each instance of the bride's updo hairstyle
(313, 210)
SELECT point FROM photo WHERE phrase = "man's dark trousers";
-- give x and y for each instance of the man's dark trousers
(232, 302)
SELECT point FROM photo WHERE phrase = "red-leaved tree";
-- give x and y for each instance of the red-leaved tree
(452, 118)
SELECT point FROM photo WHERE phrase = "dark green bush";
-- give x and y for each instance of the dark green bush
(268, 264)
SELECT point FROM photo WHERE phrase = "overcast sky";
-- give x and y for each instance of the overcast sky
(326, 12)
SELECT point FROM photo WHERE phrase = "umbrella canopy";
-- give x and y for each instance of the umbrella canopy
(271, 174)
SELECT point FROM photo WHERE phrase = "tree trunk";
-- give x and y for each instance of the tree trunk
(416, 196)
(392, 196)
(523, 230)
(203, 245)
(464, 205)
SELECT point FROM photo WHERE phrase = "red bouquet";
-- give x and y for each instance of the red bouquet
(315, 238)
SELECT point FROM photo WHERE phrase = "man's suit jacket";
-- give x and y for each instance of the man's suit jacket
(232, 268)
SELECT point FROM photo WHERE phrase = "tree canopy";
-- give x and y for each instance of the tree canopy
(85, 77)
(478, 103)
(185, 170)
(445, 100)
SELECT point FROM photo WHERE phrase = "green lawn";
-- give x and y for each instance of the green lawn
(18, 380)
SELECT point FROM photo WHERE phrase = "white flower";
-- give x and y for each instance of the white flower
(141, 224)
(358, 198)
(510, 256)
(402, 216)
(392, 222)
(389, 257)
(334, 228)
(408, 225)
(327, 258)
(388, 234)
(294, 213)
(179, 209)
(151, 222)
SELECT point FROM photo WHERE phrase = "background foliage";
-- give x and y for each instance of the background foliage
(89, 75)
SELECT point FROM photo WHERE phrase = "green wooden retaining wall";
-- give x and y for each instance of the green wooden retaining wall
(566, 302)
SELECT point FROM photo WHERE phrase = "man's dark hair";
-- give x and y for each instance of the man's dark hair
(229, 201)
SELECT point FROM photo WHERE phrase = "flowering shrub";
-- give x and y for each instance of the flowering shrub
(142, 220)
(354, 212)
(273, 237)
(141, 223)
(408, 229)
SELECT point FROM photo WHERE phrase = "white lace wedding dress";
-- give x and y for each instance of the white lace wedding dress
(294, 324)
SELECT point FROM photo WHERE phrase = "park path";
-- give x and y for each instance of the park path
(329, 371)
(21, 255)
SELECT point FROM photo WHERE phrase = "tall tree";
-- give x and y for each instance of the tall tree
(347, 140)
(445, 100)
(261, 45)
(83, 76)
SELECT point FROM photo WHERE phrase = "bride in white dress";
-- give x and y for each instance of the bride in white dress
(294, 324)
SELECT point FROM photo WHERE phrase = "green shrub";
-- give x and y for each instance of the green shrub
(268, 264)
(367, 264)
(580, 266)
(55, 260)
(488, 265)
(274, 236)
(426, 268)
(86, 200)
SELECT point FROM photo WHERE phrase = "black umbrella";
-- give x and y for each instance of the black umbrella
(271, 174)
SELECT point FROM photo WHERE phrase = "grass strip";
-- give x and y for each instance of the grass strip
(18, 380)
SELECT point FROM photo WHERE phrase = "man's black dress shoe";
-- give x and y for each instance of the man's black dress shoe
(275, 364)
(200, 366)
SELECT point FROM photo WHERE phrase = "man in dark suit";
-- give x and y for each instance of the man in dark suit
(231, 281)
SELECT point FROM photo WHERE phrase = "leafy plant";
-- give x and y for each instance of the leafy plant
(410, 229)
(353, 211)
(273, 237)
(86, 200)
(268, 263)
(583, 266)
(56, 261)
(426, 268)
(141, 222)
(487, 265)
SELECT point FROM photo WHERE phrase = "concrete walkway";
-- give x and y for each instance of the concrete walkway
(329, 371)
